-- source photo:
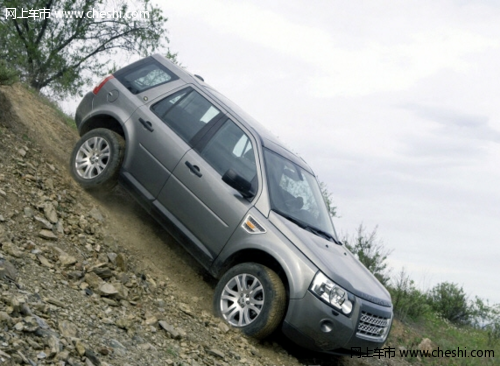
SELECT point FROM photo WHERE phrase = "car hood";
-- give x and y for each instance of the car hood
(335, 261)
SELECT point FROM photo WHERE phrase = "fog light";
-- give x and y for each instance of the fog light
(326, 326)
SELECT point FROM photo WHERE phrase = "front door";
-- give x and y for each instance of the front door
(209, 208)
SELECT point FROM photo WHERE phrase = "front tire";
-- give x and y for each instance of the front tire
(251, 297)
(96, 159)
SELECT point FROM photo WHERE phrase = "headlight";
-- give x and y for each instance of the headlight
(331, 293)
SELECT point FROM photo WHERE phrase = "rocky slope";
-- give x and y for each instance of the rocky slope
(97, 282)
(70, 293)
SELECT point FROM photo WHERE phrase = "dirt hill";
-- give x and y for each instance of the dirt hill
(88, 281)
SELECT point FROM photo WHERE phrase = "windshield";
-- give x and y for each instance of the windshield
(295, 194)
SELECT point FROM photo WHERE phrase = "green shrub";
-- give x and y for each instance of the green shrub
(408, 301)
(8, 75)
(451, 302)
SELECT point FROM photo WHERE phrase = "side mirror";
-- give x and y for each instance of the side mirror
(236, 181)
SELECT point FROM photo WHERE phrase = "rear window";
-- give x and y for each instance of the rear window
(144, 75)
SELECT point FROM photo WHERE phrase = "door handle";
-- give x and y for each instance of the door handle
(194, 169)
(147, 124)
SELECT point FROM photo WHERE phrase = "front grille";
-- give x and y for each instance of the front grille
(373, 326)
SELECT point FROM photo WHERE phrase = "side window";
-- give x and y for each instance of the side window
(144, 75)
(230, 148)
(185, 112)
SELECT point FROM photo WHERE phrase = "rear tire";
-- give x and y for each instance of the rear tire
(96, 159)
(251, 297)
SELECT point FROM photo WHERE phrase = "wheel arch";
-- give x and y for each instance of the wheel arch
(256, 256)
(103, 121)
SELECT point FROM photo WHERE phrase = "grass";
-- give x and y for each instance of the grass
(446, 336)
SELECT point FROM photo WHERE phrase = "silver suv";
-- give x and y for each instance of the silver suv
(249, 210)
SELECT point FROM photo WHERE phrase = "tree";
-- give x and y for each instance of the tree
(487, 317)
(370, 251)
(8, 75)
(64, 44)
(327, 196)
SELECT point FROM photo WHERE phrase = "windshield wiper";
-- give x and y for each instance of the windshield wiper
(308, 227)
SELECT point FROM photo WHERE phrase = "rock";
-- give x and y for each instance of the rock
(119, 348)
(25, 310)
(35, 345)
(49, 183)
(426, 345)
(109, 301)
(122, 291)
(55, 302)
(96, 214)
(150, 319)
(112, 257)
(92, 357)
(93, 280)
(45, 223)
(60, 227)
(104, 273)
(30, 324)
(5, 318)
(12, 249)
(151, 283)
(67, 260)
(75, 275)
(62, 356)
(47, 234)
(124, 323)
(22, 152)
(107, 289)
(104, 351)
(215, 352)
(121, 262)
(68, 329)
(169, 329)
(50, 212)
(224, 327)
(54, 345)
(8, 272)
(103, 258)
(80, 348)
(44, 261)
(28, 212)
(186, 309)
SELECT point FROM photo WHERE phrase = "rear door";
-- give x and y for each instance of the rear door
(162, 132)
(196, 195)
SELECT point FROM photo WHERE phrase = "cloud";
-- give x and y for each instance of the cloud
(366, 58)
(375, 67)
(455, 138)
(456, 123)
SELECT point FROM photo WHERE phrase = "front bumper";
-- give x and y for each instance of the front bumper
(313, 324)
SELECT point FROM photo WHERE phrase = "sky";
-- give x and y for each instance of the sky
(393, 104)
